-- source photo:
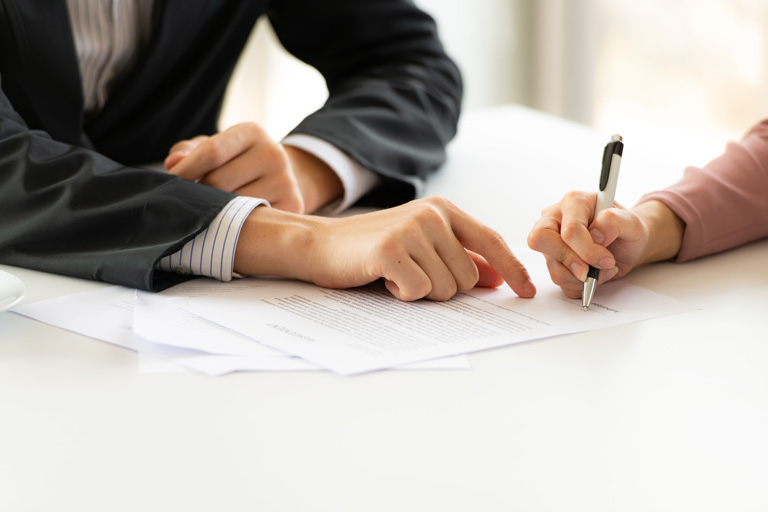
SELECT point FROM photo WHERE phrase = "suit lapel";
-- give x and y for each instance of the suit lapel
(44, 56)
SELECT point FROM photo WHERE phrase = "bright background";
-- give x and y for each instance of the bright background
(682, 77)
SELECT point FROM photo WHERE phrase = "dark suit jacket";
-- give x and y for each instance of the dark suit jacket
(71, 201)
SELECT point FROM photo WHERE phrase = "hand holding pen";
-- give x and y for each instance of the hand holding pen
(586, 229)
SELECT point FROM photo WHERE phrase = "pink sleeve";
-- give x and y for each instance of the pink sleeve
(725, 203)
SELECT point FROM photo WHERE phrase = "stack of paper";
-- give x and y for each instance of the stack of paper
(168, 338)
(266, 324)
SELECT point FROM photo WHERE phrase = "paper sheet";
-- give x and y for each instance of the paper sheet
(110, 314)
(157, 319)
(266, 323)
(366, 329)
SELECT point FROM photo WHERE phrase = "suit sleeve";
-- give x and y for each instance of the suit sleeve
(394, 94)
(72, 211)
(725, 203)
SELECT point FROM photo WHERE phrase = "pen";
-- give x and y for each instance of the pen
(609, 176)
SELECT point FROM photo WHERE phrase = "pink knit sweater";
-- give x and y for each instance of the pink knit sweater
(725, 203)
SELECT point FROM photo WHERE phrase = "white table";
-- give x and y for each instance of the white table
(668, 414)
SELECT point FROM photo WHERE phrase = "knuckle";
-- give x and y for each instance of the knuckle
(443, 293)
(444, 203)
(436, 200)
(431, 217)
(439, 204)
(423, 289)
(467, 282)
(211, 152)
(573, 196)
(388, 246)
(424, 217)
(184, 145)
(416, 291)
(408, 230)
(569, 232)
(534, 239)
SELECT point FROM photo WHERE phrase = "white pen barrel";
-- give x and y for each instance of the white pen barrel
(606, 196)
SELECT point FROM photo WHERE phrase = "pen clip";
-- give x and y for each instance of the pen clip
(615, 147)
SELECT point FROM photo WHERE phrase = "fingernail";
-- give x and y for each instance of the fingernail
(611, 273)
(597, 236)
(607, 262)
(579, 270)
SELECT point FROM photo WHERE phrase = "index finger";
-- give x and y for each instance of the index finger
(578, 209)
(488, 243)
(545, 238)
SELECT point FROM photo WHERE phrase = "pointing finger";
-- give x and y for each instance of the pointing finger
(488, 243)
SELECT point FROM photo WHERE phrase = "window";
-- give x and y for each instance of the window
(690, 70)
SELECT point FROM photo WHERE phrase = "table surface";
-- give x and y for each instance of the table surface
(667, 414)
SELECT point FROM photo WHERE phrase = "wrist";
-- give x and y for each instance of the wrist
(665, 231)
(276, 243)
(318, 182)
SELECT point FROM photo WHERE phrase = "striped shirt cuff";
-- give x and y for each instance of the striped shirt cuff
(212, 252)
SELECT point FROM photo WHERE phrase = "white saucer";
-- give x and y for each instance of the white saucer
(11, 290)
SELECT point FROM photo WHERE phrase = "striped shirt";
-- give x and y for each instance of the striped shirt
(212, 252)
(109, 34)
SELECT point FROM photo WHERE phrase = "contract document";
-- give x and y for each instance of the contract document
(271, 324)
(365, 329)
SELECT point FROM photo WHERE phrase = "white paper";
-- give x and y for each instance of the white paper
(365, 329)
(174, 360)
(105, 314)
(110, 314)
(156, 319)
(346, 331)
(156, 358)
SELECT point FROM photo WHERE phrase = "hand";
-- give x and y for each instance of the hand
(616, 241)
(427, 248)
(245, 160)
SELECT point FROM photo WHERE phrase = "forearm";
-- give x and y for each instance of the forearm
(318, 183)
(725, 203)
(394, 95)
(356, 180)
